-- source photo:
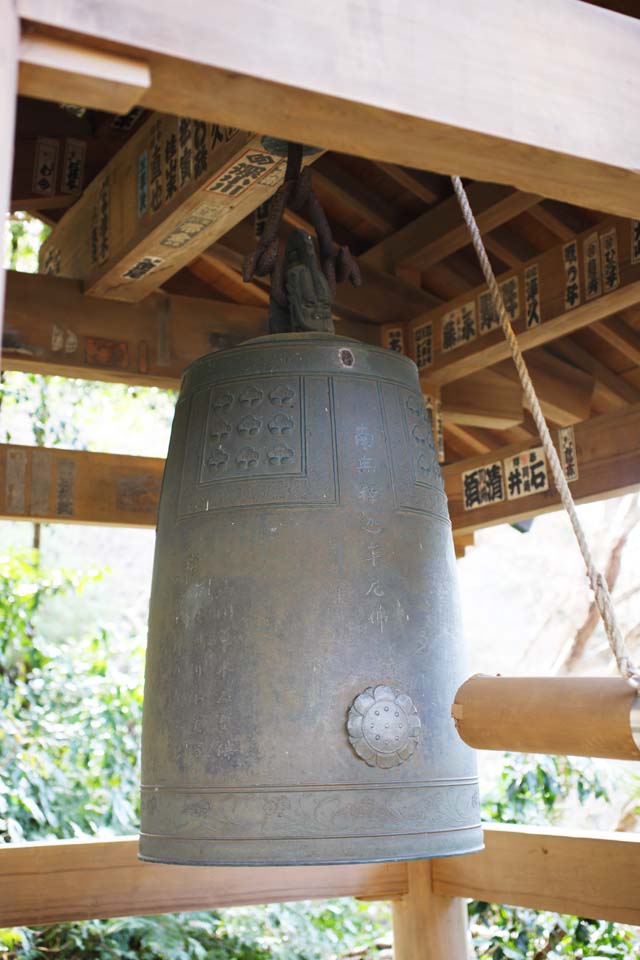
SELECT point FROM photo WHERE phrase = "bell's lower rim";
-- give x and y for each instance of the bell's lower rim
(451, 842)
(313, 862)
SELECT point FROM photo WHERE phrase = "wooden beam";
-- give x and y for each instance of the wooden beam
(71, 486)
(411, 182)
(124, 490)
(52, 328)
(8, 77)
(441, 231)
(462, 343)
(334, 181)
(574, 872)
(565, 393)
(172, 190)
(427, 926)
(617, 389)
(607, 451)
(481, 66)
(50, 882)
(484, 399)
(75, 74)
(620, 335)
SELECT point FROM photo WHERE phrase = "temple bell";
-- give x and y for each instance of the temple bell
(305, 640)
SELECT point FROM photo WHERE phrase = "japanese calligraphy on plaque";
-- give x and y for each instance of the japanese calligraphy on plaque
(185, 155)
(487, 316)
(393, 339)
(511, 298)
(100, 219)
(526, 473)
(532, 296)
(45, 167)
(73, 167)
(244, 171)
(592, 270)
(459, 326)
(143, 183)
(635, 241)
(568, 456)
(483, 486)
(571, 275)
(155, 167)
(142, 268)
(423, 341)
(610, 265)
(202, 217)
(170, 164)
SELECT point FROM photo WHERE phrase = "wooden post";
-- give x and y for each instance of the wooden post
(580, 716)
(8, 81)
(427, 926)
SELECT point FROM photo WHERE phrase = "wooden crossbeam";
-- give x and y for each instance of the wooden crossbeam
(52, 328)
(615, 388)
(94, 78)
(50, 882)
(607, 452)
(574, 872)
(620, 335)
(460, 93)
(441, 231)
(565, 392)
(78, 486)
(463, 334)
(172, 190)
(588, 874)
(484, 399)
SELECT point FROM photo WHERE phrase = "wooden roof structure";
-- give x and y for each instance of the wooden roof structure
(155, 189)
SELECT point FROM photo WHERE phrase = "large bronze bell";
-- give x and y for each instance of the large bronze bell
(304, 637)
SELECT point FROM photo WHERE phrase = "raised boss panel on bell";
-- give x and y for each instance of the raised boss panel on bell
(256, 449)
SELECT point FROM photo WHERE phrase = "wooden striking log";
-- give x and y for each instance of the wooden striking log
(49, 882)
(172, 190)
(562, 290)
(585, 874)
(578, 148)
(491, 488)
(580, 716)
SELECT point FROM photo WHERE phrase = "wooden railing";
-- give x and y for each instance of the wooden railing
(588, 874)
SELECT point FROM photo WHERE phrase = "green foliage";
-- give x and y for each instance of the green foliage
(23, 238)
(504, 933)
(302, 931)
(70, 716)
(85, 414)
(536, 789)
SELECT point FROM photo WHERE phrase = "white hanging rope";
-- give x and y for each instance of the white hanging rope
(598, 583)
